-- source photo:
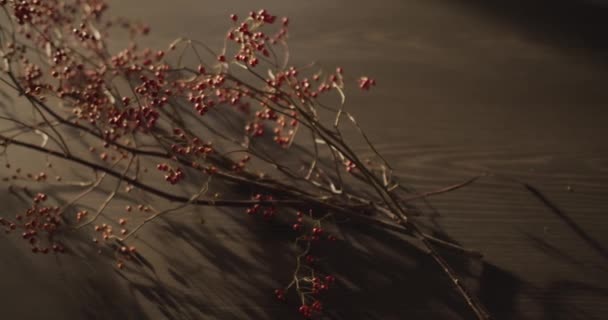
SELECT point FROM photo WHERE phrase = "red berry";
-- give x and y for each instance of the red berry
(310, 259)
(280, 294)
(201, 69)
(317, 305)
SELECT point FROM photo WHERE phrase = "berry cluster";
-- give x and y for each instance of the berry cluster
(124, 253)
(250, 39)
(311, 305)
(107, 231)
(365, 83)
(350, 166)
(173, 175)
(241, 164)
(308, 310)
(81, 214)
(268, 211)
(24, 11)
(40, 224)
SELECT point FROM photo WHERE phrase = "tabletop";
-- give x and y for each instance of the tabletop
(515, 90)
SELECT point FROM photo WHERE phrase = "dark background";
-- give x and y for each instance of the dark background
(516, 88)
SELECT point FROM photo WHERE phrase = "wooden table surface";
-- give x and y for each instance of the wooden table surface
(512, 88)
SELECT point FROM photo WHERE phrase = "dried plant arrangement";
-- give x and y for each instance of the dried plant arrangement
(149, 121)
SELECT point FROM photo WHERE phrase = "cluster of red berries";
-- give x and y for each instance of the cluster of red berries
(37, 221)
(280, 136)
(305, 310)
(290, 83)
(299, 221)
(24, 10)
(172, 176)
(350, 166)
(279, 294)
(83, 34)
(81, 214)
(316, 232)
(255, 129)
(241, 164)
(315, 235)
(32, 77)
(268, 211)
(318, 286)
(249, 38)
(262, 16)
(365, 83)
(190, 145)
(107, 231)
(308, 310)
(208, 90)
(126, 253)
